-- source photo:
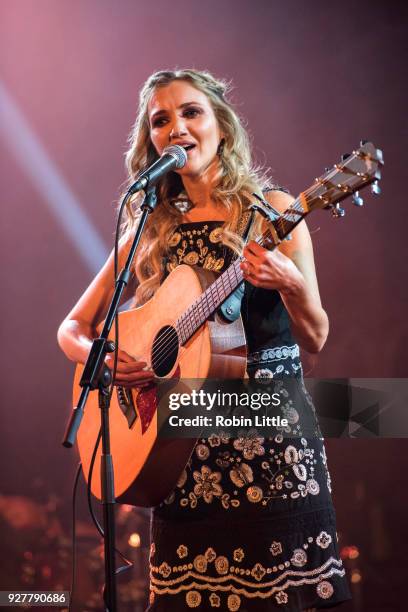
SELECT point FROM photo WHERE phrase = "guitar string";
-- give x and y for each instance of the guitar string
(209, 296)
(194, 324)
(195, 315)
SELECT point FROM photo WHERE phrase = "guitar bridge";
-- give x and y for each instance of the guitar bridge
(127, 405)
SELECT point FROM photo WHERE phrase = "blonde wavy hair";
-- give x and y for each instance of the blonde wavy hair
(238, 180)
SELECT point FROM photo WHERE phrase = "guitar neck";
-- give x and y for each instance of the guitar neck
(287, 221)
(209, 301)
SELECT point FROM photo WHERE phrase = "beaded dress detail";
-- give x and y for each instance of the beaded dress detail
(250, 525)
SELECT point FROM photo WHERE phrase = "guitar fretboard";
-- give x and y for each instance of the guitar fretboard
(289, 219)
(209, 301)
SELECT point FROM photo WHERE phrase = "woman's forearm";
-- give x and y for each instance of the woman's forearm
(75, 339)
(309, 321)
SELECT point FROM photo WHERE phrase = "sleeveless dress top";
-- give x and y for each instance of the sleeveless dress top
(250, 525)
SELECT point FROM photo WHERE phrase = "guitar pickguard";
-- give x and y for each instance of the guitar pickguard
(140, 403)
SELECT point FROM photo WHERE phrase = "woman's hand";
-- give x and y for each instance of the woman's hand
(129, 372)
(297, 287)
(270, 269)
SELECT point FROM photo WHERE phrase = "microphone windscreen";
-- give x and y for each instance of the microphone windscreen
(178, 153)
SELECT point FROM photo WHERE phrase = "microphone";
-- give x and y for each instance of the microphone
(172, 157)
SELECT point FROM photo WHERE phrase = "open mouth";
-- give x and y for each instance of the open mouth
(188, 147)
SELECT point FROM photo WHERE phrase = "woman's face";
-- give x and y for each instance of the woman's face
(181, 114)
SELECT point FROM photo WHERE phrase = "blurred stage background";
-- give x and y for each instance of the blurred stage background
(311, 79)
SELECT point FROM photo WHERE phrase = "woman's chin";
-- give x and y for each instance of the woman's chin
(191, 171)
(195, 170)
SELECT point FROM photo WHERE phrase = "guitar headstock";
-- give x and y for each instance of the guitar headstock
(356, 170)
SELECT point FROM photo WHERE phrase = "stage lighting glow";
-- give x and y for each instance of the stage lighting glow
(134, 540)
(356, 577)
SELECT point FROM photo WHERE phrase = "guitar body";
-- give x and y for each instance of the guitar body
(146, 467)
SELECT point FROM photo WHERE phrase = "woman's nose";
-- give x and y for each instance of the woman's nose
(178, 129)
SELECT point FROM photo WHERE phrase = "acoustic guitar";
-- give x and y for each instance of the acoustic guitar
(180, 334)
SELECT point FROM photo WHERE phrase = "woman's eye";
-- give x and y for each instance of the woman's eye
(191, 112)
(159, 122)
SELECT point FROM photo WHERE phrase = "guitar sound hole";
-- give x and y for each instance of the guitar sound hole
(165, 350)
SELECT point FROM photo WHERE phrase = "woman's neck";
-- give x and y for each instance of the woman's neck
(199, 191)
(200, 188)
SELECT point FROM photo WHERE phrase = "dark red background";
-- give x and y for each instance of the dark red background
(311, 79)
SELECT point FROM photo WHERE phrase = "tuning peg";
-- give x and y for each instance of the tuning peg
(327, 169)
(357, 200)
(363, 142)
(345, 156)
(338, 212)
(375, 188)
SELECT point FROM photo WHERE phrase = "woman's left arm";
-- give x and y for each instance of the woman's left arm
(290, 270)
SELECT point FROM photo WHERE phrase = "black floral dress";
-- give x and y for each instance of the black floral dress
(250, 525)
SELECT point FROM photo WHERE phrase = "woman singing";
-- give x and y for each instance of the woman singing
(250, 525)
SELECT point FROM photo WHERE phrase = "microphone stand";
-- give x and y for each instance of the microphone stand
(96, 375)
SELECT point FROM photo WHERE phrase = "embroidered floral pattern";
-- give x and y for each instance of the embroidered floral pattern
(263, 375)
(182, 551)
(227, 502)
(254, 494)
(250, 446)
(240, 581)
(215, 601)
(290, 414)
(312, 486)
(299, 558)
(193, 599)
(324, 589)
(300, 472)
(200, 564)
(215, 235)
(233, 602)
(165, 570)
(210, 555)
(281, 597)
(202, 452)
(214, 440)
(276, 482)
(191, 259)
(207, 484)
(241, 475)
(174, 239)
(194, 247)
(258, 571)
(276, 548)
(323, 539)
(222, 565)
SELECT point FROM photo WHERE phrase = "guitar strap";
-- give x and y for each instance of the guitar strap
(231, 308)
